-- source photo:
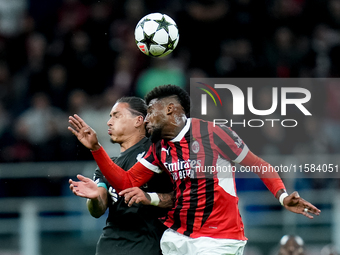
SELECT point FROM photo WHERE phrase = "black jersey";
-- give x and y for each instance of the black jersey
(137, 229)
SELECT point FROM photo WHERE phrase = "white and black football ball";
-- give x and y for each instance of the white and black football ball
(156, 35)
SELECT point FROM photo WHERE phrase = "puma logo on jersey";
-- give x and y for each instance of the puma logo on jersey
(167, 150)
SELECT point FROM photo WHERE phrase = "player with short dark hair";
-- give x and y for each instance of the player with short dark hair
(205, 218)
(137, 105)
(170, 90)
(129, 230)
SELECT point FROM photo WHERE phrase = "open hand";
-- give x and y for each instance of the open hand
(295, 203)
(85, 187)
(84, 133)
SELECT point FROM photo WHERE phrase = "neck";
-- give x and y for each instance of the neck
(131, 141)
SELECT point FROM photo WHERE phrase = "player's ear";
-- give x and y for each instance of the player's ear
(170, 108)
(139, 121)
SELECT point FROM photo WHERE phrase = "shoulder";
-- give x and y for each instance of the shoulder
(152, 147)
(200, 123)
(114, 159)
(147, 143)
(204, 128)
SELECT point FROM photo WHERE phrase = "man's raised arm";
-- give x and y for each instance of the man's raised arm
(116, 176)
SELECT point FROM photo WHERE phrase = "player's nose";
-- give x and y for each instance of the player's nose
(146, 120)
(109, 122)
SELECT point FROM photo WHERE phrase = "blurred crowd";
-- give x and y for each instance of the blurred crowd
(61, 57)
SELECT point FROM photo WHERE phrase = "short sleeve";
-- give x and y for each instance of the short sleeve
(150, 160)
(99, 179)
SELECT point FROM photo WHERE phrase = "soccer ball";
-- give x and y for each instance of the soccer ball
(156, 35)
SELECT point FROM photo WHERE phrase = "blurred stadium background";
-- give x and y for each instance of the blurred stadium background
(60, 57)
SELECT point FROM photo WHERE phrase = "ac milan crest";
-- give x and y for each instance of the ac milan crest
(195, 147)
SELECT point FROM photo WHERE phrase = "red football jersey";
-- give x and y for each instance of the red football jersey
(206, 201)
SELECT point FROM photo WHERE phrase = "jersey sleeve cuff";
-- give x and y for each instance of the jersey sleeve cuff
(242, 155)
(102, 184)
(97, 151)
(150, 166)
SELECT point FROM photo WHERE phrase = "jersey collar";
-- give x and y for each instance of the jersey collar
(183, 131)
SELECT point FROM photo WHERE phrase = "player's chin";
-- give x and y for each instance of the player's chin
(156, 135)
(149, 130)
(112, 140)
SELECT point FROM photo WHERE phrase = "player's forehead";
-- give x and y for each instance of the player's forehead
(119, 108)
(162, 102)
(155, 104)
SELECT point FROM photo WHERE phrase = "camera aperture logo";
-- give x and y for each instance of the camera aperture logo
(301, 97)
(204, 97)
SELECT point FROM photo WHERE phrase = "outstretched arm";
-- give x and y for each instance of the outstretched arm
(116, 176)
(272, 180)
(136, 195)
